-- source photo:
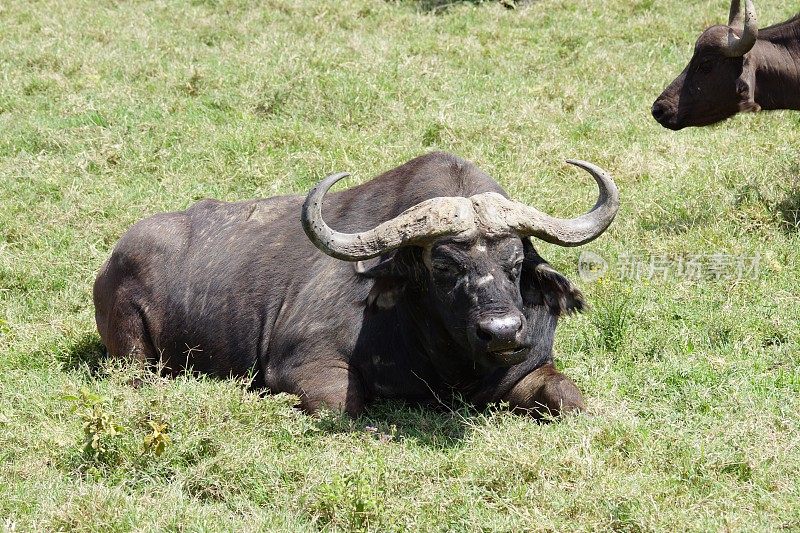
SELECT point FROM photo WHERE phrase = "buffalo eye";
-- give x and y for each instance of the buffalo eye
(514, 271)
(447, 269)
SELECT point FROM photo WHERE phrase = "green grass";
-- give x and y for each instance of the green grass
(112, 111)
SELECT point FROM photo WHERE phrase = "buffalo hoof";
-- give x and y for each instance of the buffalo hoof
(545, 393)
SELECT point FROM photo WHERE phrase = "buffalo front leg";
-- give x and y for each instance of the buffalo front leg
(320, 387)
(546, 391)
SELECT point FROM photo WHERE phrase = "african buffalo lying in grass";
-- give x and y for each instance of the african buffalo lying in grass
(735, 68)
(444, 291)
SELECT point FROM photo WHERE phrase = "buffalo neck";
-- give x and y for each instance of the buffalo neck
(777, 59)
(445, 356)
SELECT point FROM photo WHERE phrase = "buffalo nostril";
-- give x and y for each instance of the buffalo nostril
(483, 334)
(500, 333)
(663, 113)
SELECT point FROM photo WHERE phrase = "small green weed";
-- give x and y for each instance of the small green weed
(98, 426)
(354, 501)
(157, 440)
(612, 319)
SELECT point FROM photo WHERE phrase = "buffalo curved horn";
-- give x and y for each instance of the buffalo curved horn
(446, 216)
(529, 221)
(739, 46)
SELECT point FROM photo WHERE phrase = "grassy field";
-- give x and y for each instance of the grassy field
(111, 111)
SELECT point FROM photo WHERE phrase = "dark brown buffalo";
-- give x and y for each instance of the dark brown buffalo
(443, 293)
(735, 68)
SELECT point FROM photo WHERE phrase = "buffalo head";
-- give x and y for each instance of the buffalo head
(718, 82)
(468, 263)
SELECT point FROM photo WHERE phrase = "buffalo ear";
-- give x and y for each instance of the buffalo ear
(388, 283)
(745, 92)
(743, 88)
(541, 284)
(747, 103)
